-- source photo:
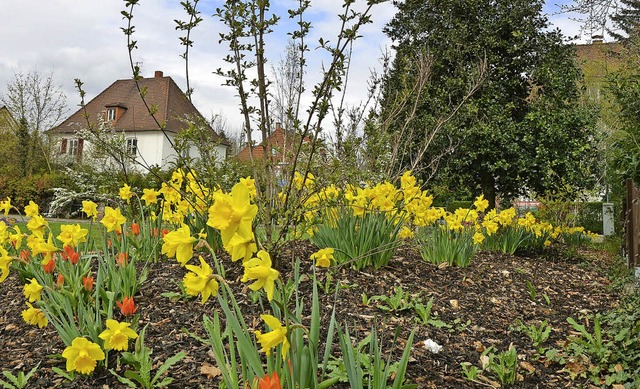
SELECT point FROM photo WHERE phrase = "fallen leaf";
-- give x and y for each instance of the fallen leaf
(209, 370)
(527, 366)
(484, 361)
(493, 384)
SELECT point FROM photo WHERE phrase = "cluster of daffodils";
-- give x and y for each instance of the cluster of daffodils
(406, 203)
(57, 265)
(232, 214)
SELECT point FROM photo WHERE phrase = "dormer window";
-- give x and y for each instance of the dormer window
(111, 114)
(114, 112)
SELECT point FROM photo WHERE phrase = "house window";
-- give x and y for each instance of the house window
(111, 115)
(132, 146)
(72, 147)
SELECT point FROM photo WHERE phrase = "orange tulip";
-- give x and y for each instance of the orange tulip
(60, 281)
(270, 382)
(127, 306)
(50, 265)
(135, 229)
(122, 259)
(69, 254)
(88, 283)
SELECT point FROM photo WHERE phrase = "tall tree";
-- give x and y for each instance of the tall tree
(624, 143)
(523, 129)
(626, 19)
(34, 99)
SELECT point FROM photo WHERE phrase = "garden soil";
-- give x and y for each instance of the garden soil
(476, 307)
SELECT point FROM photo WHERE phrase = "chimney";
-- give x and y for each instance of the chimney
(597, 39)
(158, 74)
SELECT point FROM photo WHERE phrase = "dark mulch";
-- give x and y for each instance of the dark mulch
(480, 304)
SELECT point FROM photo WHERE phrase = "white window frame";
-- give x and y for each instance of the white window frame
(72, 146)
(111, 114)
(131, 146)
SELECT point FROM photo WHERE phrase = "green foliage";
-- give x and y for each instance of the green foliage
(469, 371)
(400, 301)
(362, 241)
(440, 245)
(507, 240)
(522, 129)
(453, 205)
(17, 381)
(611, 344)
(537, 333)
(364, 366)
(503, 365)
(624, 143)
(38, 188)
(142, 364)
(397, 301)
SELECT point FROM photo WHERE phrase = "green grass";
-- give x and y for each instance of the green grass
(96, 230)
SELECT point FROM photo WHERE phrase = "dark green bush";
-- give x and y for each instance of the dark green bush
(38, 187)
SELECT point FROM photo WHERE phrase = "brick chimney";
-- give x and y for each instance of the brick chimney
(158, 74)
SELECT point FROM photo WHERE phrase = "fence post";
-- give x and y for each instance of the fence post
(632, 225)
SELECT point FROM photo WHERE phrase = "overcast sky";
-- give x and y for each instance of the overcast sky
(83, 39)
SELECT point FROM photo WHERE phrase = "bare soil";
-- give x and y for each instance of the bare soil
(480, 306)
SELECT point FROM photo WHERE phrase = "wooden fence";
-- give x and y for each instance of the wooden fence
(632, 224)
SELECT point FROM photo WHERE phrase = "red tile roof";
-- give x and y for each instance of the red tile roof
(132, 115)
(281, 142)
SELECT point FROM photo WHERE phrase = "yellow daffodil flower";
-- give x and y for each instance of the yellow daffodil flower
(150, 196)
(200, 281)
(41, 247)
(481, 203)
(490, 226)
(241, 247)
(34, 316)
(232, 213)
(82, 356)
(5, 261)
(250, 183)
(16, 238)
(478, 237)
(323, 257)
(90, 209)
(126, 193)
(405, 233)
(117, 335)
(5, 206)
(277, 335)
(179, 244)
(32, 209)
(32, 290)
(37, 224)
(113, 219)
(72, 235)
(4, 233)
(259, 269)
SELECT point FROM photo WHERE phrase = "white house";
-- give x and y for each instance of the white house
(148, 138)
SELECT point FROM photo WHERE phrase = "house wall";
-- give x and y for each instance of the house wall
(153, 150)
